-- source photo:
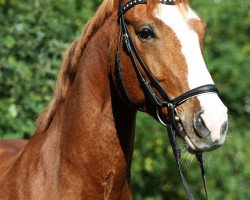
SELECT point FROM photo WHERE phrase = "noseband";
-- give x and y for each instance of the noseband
(174, 124)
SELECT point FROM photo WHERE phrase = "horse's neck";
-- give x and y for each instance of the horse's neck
(97, 128)
(90, 138)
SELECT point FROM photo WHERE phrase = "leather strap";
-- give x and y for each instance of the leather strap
(210, 88)
(118, 72)
(200, 160)
(177, 154)
(132, 3)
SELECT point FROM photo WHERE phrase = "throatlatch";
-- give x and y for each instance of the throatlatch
(167, 102)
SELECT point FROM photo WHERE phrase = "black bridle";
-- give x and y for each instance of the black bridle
(174, 124)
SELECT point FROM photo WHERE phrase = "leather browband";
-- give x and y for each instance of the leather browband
(132, 3)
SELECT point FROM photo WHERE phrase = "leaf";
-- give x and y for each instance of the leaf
(13, 110)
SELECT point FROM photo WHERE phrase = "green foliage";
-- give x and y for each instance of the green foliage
(33, 36)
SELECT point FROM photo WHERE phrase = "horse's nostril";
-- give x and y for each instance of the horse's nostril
(224, 128)
(199, 124)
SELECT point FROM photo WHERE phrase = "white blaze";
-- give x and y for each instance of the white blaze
(215, 111)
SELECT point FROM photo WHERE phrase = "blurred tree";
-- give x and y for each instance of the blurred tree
(34, 35)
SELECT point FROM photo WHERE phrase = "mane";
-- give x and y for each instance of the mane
(70, 63)
(71, 60)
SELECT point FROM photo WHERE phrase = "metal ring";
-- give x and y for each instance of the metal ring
(159, 118)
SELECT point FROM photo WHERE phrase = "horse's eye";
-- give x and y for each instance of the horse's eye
(146, 33)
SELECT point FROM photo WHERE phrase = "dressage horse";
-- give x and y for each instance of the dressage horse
(132, 55)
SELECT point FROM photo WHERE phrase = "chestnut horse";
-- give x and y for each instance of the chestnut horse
(83, 144)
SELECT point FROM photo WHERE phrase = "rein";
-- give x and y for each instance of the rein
(174, 125)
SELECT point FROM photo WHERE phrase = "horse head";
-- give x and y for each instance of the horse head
(162, 42)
